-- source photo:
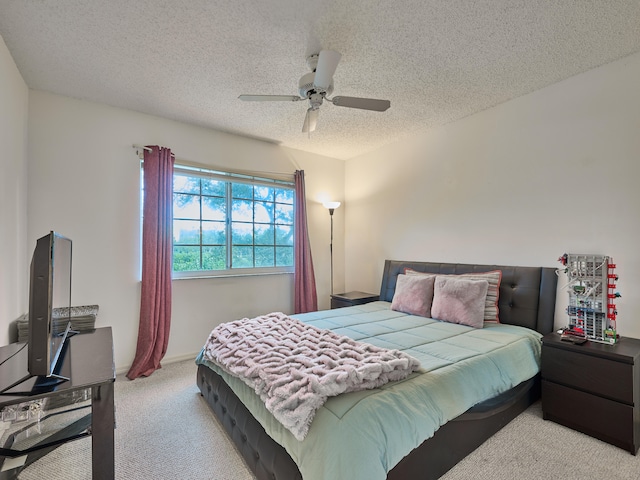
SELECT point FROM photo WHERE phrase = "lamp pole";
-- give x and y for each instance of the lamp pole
(331, 206)
(331, 247)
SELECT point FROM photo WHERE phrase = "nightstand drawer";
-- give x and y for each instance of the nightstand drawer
(592, 374)
(598, 417)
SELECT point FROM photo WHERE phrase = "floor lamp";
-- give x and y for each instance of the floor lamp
(331, 206)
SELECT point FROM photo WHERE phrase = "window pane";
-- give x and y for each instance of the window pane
(242, 211)
(217, 221)
(263, 193)
(214, 233)
(186, 206)
(265, 256)
(284, 195)
(214, 258)
(263, 212)
(284, 235)
(263, 234)
(242, 190)
(213, 208)
(186, 232)
(242, 233)
(214, 187)
(284, 214)
(284, 256)
(186, 184)
(242, 257)
(186, 258)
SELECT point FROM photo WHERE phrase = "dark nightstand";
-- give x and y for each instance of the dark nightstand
(593, 388)
(349, 299)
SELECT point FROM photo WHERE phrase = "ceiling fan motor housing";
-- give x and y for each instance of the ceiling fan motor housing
(306, 87)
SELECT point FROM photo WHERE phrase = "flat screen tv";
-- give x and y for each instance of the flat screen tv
(49, 303)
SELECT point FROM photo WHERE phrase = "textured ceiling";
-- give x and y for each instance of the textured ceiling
(435, 60)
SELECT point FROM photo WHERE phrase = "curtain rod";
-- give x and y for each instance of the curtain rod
(139, 148)
(187, 163)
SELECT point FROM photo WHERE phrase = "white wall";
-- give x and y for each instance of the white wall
(552, 172)
(14, 96)
(84, 181)
(555, 171)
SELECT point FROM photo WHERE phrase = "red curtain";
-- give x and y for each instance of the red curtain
(305, 296)
(155, 299)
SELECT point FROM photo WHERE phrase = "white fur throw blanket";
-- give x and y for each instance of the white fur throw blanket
(295, 367)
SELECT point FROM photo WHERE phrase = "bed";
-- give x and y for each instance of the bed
(526, 306)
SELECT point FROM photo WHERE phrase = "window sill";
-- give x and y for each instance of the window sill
(230, 275)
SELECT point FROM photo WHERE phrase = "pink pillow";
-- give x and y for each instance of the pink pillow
(413, 294)
(459, 300)
(494, 277)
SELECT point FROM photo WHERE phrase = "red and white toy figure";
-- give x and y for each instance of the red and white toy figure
(612, 278)
(591, 287)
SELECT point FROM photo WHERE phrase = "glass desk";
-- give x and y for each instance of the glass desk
(37, 415)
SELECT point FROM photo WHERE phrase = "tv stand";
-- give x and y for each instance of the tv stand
(85, 402)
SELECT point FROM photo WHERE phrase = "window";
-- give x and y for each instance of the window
(227, 223)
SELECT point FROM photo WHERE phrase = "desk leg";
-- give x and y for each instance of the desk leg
(102, 438)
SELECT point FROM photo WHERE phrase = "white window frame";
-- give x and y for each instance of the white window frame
(230, 177)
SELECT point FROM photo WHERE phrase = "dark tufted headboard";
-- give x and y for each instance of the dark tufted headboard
(527, 294)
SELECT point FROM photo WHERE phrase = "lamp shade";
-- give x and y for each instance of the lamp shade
(331, 205)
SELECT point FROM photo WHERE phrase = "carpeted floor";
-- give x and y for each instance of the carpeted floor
(166, 431)
(532, 448)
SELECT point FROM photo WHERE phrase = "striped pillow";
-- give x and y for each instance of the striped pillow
(491, 302)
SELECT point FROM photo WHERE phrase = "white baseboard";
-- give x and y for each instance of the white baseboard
(165, 361)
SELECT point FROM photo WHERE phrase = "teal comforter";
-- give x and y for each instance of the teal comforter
(363, 435)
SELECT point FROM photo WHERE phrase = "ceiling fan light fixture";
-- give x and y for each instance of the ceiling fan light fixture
(315, 99)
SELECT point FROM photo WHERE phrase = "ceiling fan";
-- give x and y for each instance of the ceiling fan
(316, 86)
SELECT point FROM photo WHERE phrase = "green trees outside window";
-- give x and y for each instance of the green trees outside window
(225, 225)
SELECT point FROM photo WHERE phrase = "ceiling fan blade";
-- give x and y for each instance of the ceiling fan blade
(270, 98)
(310, 120)
(363, 103)
(327, 64)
